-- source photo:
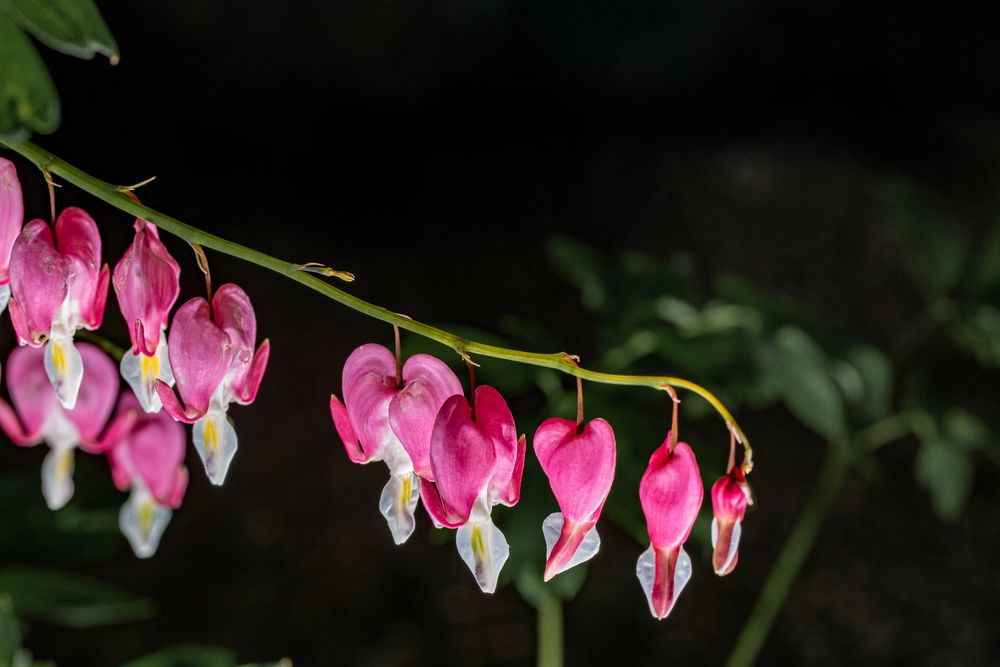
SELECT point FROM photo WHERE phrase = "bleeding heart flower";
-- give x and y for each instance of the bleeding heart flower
(386, 420)
(11, 219)
(38, 416)
(730, 497)
(146, 282)
(57, 290)
(213, 362)
(476, 461)
(671, 493)
(149, 460)
(580, 465)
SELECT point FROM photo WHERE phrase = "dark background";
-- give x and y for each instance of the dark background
(432, 148)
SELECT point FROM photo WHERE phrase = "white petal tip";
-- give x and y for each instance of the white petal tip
(64, 368)
(398, 504)
(586, 549)
(143, 521)
(57, 477)
(215, 441)
(662, 588)
(485, 550)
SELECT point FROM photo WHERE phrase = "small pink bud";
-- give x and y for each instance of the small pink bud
(730, 496)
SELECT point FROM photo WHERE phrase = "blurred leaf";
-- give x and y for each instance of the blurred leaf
(808, 388)
(986, 278)
(187, 656)
(977, 332)
(946, 471)
(74, 27)
(877, 379)
(964, 429)
(936, 247)
(581, 266)
(10, 632)
(28, 99)
(70, 599)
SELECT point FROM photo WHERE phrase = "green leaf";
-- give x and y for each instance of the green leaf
(877, 379)
(986, 278)
(74, 27)
(28, 98)
(946, 470)
(582, 266)
(10, 632)
(187, 655)
(936, 247)
(808, 387)
(70, 599)
(977, 331)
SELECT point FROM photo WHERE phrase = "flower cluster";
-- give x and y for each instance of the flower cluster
(63, 392)
(461, 455)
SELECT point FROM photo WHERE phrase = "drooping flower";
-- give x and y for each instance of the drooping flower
(730, 497)
(11, 219)
(58, 286)
(382, 419)
(671, 493)
(476, 461)
(146, 282)
(37, 416)
(213, 361)
(580, 465)
(148, 460)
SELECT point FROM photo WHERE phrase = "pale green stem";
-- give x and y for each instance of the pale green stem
(550, 631)
(118, 197)
(802, 538)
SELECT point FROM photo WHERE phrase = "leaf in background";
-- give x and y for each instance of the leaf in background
(936, 247)
(580, 265)
(28, 99)
(876, 374)
(946, 471)
(808, 388)
(74, 27)
(10, 632)
(187, 656)
(977, 332)
(986, 278)
(70, 599)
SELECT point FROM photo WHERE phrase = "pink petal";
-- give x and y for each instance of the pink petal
(494, 419)
(234, 314)
(427, 383)
(671, 493)
(200, 354)
(80, 242)
(20, 322)
(369, 384)
(463, 460)
(155, 450)
(146, 282)
(11, 213)
(730, 496)
(342, 422)
(31, 393)
(98, 392)
(173, 405)
(580, 468)
(248, 394)
(39, 277)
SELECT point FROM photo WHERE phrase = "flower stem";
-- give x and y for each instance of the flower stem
(117, 196)
(800, 542)
(550, 631)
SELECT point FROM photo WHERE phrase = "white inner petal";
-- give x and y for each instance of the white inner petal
(734, 542)
(398, 503)
(552, 528)
(142, 520)
(142, 372)
(645, 570)
(57, 476)
(215, 440)
(4, 297)
(64, 367)
(485, 550)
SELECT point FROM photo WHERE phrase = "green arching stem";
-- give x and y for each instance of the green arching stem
(121, 198)
(800, 541)
(550, 630)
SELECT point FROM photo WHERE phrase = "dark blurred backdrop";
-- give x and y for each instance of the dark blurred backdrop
(433, 149)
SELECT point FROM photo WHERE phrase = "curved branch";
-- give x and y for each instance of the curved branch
(121, 198)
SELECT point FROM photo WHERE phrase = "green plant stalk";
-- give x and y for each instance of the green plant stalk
(802, 538)
(119, 197)
(550, 630)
